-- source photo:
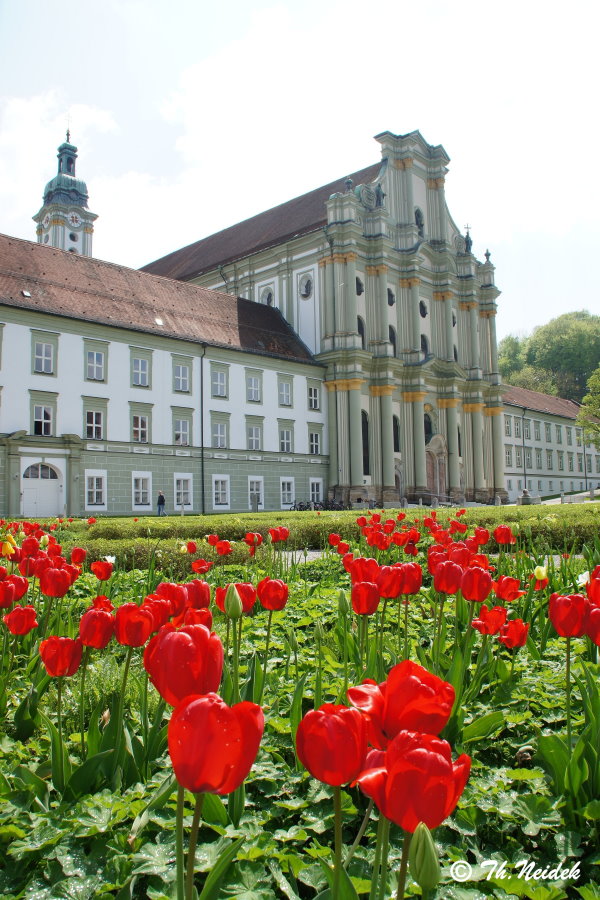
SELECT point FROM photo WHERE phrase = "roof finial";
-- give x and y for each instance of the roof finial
(68, 136)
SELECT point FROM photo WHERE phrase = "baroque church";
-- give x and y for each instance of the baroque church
(340, 345)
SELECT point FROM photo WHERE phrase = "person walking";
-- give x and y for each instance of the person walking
(160, 503)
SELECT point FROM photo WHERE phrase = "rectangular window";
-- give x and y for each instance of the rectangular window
(255, 493)
(314, 397)
(181, 432)
(43, 359)
(181, 378)
(550, 486)
(94, 430)
(570, 462)
(316, 490)
(562, 486)
(314, 443)
(588, 463)
(94, 490)
(285, 440)
(254, 437)
(253, 392)
(139, 429)
(538, 458)
(507, 428)
(220, 491)
(548, 427)
(218, 382)
(536, 431)
(517, 427)
(95, 365)
(508, 456)
(558, 434)
(539, 485)
(141, 490)
(519, 484)
(183, 491)
(528, 457)
(561, 460)
(509, 484)
(285, 392)
(527, 429)
(287, 491)
(518, 457)
(140, 370)
(219, 435)
(42, 419)
(569, 436)
(549, 462)
(598, 464)
(580, 462)
(578, 434)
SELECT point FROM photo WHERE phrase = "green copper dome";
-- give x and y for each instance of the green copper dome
(65, 187)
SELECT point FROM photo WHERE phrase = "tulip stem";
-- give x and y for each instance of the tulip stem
(60, 760)
(337, 859)
(236, 676)
(377, 859)
(264, 671)
(86, 654)
(120, 711)
(191, 860)
(405, 599)
(361, 831)
(385, 845)
(568, 677)
(179, 843)
(403, 867)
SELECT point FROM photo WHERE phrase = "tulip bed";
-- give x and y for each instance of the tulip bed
(414, 713)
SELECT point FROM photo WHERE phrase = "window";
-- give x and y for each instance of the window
(181, 377)
(44, 351)
(218, 435)
(287, 491)
(42, 420)
(305, 286)
(538, 459)
(422, 309)
(220, 491)
(255, 493)
(507, 426)
(508, 456)
(139, 428)
(314, 397)
(588, 463)
(570, 461)
(561, 460)
(267, 295)
(548, 429)
(360, 327)
(95, 488)
(569, 436)
(509, 484)
(527, 429)
(396, 433)
(254, 435)
(314, 443)
(183, 491)
(285, 440)
(528, 462)
(536, 431)
(561, 486)
(285, 392)
(550, 486)
(391, 297)
(141, 489)
(218, 381)
(392, 340)
(253, 387)
(518, 457)
(316, 490)
(181, 432)
(140, 372)
(424, 345)
(517, 427)
(540, 485)
(94, 370)
(578, 435)
(580, 462)
(94, 426)
(519, 484)
(597, 464)
(549, 462)
(558, 434)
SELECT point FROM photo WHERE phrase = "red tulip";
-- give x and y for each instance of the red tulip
(78, 555)
(476, 584)
(568, 613)
(334, 539)
(514, 634)
(365, 598)
(201, 566)
(61, 655)
(247, 594)
(184, 662)
(490, 621)
(133, 625)
(592, 589)
(102, 569)
(191, 546)
(481, 535)
(102, 602)
(592, 625)
(30, 547)
(411, 698)
(192, 616)
(503, 535)
(160, 608)
(223, 548)
(212, 746)
(363, 569)
(96, 628)
(7, 594)
(415, 780)
(198, 594)
(447, 577)
(507, 588)
(212, 540)
(411, 578)
(54, 582)
(389, 580)
(176, 594)
(21, 620)
(331, 743)
(272, 593)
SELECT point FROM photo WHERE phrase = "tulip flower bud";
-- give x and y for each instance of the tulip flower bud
(343, 605)
(233, 603)
(183, 549)
(44, 540)
(423, 858)
(540, 572)
(21, 535)
(319, 632)
(291, 637)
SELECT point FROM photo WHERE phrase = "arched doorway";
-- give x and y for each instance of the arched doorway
(436, 464)
(41, 491)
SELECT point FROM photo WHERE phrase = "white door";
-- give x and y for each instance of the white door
(40, 491)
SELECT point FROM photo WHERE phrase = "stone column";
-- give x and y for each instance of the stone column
(387, 436)
(343, 447)
(449, 328)
(498, 448)
(451, 406)
(326, 267)
(353, 386)
(383, 333)
(472, 306)
(334, 475)
(418, 411)
(491, 320)
(341, 296)
(351, 304)
(415, 317)
(476, 411)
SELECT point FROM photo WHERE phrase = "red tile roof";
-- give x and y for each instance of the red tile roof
(275, 226)
(555, 406)
(88, 289)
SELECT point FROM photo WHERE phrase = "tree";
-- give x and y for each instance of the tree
(511, 356)
(589, 414)
(534, 380)
(569, 347)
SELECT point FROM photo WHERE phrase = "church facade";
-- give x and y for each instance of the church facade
(377, 280)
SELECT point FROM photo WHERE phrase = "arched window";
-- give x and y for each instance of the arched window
(396, 432)
(360, 327)
(391, 297)
(419, 222)
(360, 288)
(422, 309)
(40, 470)
(365, 443)
(428, 427)
(459, 442)
(455, 353)
(424, 346)
(392, 332)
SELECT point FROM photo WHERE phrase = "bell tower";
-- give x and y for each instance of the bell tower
(64, 221)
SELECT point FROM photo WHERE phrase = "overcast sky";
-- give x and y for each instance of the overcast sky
(190, 116)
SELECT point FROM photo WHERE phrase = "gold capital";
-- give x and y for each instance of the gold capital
(448, 402)
(371, 270)
(493, 411)
(473, 407)
(381, 390)
(413, 396)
